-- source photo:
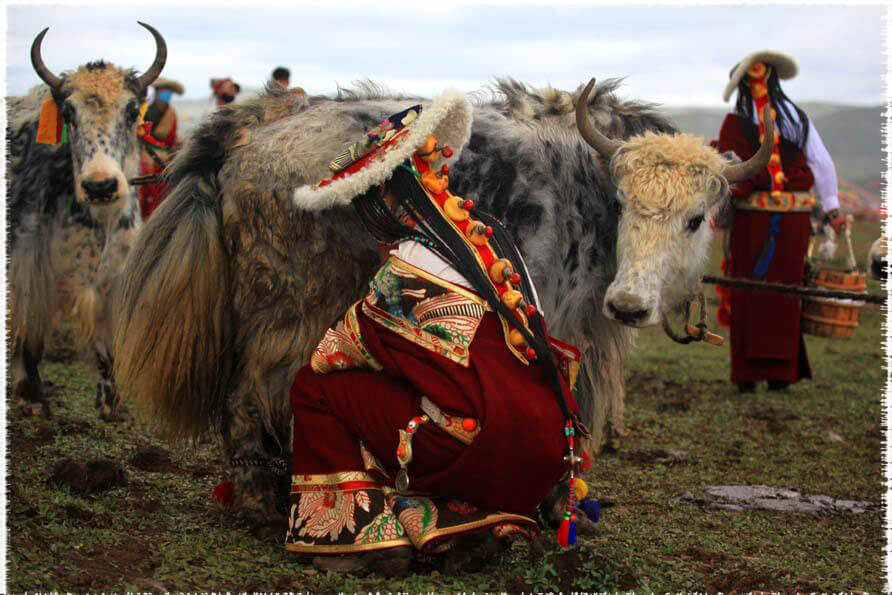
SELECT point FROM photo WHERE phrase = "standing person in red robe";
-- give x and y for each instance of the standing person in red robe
(771, 226)
(437, 406)
(158, 140)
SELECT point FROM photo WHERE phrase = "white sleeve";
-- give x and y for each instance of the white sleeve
(822, 168)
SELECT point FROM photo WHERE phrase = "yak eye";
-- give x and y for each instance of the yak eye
(132, 111)
(694, 223)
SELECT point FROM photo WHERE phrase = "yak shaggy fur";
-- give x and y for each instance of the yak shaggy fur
(230, 287)
(65, 249)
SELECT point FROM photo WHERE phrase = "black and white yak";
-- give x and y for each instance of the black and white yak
(230, 287)
(72, 214)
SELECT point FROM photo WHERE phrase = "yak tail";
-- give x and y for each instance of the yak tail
(86, 311)
(33, 291)
(173, 331)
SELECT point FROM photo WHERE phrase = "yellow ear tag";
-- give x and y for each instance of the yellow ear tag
(142, 112)
(49, 126)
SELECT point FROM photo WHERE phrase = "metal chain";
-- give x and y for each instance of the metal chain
(794, 289)
(278, 466)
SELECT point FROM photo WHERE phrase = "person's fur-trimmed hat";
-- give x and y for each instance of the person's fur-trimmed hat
(371, 160)
(163, 84)
(784, 65)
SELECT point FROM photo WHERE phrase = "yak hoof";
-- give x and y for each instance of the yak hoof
(37, 410)
(30, 391)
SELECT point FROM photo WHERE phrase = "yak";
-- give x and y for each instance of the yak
(230, 286)
(72, 215)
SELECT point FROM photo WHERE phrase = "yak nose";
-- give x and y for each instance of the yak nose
(100, 188)
(628, 308)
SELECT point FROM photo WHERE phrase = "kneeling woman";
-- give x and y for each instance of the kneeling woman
(437, 406)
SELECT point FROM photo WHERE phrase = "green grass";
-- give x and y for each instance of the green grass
(161, 530)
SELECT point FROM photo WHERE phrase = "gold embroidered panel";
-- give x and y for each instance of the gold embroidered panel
(342, 348)
(428, 311)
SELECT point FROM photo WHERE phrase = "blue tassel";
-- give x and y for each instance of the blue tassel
(764, 260)
(591, 508)
(571, 537)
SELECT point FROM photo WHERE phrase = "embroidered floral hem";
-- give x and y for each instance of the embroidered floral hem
(350, 512)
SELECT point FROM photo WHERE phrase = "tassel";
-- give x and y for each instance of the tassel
(563, 533)
(49, 126)
(223, 494)
(571, 534)
(591, 508)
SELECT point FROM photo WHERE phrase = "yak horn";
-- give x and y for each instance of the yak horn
(37, 62)
(149, 76)
(605, 146)
(739, 172)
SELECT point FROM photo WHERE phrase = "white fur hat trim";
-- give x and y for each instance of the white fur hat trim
(448, 117)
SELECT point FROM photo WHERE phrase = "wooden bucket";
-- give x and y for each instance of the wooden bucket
(833, 318)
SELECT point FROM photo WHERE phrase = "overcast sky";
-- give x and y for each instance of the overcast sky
(676, 55)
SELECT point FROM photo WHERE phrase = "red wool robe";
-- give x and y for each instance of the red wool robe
(766, 337)
(489, 465)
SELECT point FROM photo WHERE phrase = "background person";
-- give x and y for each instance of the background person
(770, 227)
(158, 140)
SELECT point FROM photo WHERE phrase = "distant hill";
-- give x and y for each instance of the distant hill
(852, 134)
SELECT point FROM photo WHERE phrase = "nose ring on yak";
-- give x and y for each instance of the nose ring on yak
(100, 189)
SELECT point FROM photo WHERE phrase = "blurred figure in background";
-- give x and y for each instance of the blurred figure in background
(770, 224)
(224, 90)
(282, 76)
(158, 141)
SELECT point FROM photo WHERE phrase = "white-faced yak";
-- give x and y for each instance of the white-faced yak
(72, 214)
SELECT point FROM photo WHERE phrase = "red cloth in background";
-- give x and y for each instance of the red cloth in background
(511, 465)
(766, 336)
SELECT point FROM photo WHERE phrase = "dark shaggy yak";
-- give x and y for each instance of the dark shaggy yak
(230, 287)
(72, 215)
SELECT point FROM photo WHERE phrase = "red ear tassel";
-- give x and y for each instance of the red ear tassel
(563, 533)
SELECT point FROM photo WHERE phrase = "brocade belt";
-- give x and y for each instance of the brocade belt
(777, 202)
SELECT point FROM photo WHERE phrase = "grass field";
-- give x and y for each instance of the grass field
(158, 529)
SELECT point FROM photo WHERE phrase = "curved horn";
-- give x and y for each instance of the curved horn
(37, 62)
(605, 146)
(149, 76)
(755, 164)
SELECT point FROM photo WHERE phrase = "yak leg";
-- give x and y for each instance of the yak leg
(108, 402)
(260, 455)
(30, 386)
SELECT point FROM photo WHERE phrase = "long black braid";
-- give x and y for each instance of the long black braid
(786, 124)
(430, 224)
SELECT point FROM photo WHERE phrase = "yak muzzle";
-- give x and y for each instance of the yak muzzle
(101, 190)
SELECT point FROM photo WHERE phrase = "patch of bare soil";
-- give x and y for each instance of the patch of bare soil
(87, 478)
(72, 426)
(738, 580)
(652, 455)
(153, 459)
(131, 561)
